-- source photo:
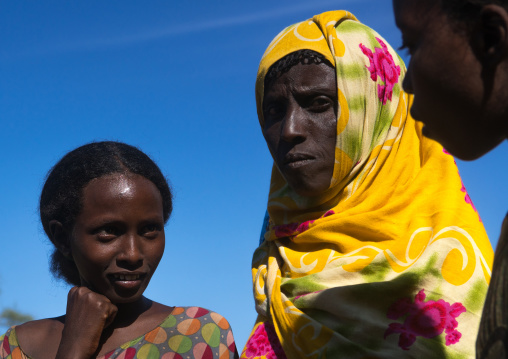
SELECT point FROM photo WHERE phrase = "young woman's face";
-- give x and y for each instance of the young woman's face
(445, 76)
(118, 238)
(300, 114)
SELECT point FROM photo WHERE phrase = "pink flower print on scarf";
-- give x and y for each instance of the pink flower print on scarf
(382, 65)
(469, 200)
(285, 230)
(463, 189)
(292, 229)
(264, 343)
(427, 319)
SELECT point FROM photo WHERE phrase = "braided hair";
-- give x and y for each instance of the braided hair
(303, 57)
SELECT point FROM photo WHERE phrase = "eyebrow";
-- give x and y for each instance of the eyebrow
(313, 89)
(317, 89)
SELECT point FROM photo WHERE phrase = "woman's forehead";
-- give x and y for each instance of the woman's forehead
(305, 78)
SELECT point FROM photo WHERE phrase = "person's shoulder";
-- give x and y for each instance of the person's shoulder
(226, 336)
(197, 312)
(202, 314)
(35, 328)
(8, 343)
(220, 320)
(209, 322)
(502, 244)
(39, 335)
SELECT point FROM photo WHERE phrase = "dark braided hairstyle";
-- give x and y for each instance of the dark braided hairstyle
(61, 197)
(303, 57)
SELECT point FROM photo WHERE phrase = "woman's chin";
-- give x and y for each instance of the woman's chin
(125, 296)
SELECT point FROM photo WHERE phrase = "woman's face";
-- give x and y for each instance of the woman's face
(118, 238)
(300, 114)
(446, 78)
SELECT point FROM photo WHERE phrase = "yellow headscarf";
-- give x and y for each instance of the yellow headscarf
(392, 260)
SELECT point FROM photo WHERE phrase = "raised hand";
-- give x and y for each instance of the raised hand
(88, 314)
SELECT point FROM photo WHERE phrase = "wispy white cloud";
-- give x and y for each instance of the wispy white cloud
(196, 25)
(213, 24)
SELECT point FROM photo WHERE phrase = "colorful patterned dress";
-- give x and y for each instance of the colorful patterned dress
(392, 260)
(188, 332)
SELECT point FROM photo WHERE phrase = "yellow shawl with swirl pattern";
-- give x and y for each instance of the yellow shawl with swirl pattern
(392, 260)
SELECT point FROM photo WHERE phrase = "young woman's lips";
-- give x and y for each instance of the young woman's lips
(127, 280)
(414, 113)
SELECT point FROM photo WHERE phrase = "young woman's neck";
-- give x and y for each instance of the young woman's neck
(129, 312)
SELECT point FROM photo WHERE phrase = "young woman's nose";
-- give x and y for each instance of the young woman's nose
(130, 252)
(293, 125)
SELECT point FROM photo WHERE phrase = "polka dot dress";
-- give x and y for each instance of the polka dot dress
(187, 333)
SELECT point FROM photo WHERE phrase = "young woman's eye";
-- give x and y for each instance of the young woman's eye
(106, 233)
(151, 230)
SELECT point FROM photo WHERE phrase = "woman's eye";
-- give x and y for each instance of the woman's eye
(106, 233)
(273, 113)
(320, 104)
(151, 230)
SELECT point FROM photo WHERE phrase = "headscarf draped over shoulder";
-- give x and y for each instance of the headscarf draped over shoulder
(392, 261)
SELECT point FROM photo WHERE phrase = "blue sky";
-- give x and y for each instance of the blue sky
(177, 80)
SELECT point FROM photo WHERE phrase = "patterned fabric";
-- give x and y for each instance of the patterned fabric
(392, 260)
(188, 332)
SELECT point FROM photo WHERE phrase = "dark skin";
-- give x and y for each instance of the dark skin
(116, 242)
(300, 126)
(458, 73)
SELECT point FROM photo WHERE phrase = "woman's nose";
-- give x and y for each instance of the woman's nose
(293, 125)
(130, 253)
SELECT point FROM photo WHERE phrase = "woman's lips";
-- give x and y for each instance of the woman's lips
(297, 160)
(127, 280)
(297, 164)
(414, 113)
(416, 117)
(126, 277)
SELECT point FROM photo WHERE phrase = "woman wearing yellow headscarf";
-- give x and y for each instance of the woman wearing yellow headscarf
(389, 258)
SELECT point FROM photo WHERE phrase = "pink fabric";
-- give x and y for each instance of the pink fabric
(427, 319)
(265, 343)
(382, 66)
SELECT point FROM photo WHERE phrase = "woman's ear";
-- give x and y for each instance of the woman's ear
(60, 238)
(490, 35)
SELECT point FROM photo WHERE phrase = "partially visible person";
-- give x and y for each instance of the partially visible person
(458, 74)
(373, 248)
(104, 206)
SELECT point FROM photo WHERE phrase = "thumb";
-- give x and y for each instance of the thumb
(112, 315)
